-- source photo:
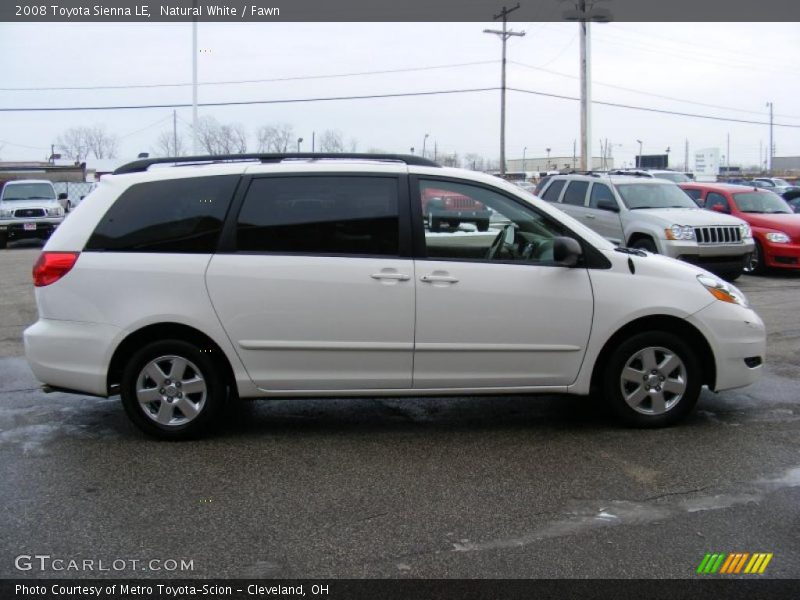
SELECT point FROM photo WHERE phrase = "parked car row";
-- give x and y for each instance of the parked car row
(29, 208)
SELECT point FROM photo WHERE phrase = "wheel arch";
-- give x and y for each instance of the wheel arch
(164, 331)
(665, 323)
(641, 235)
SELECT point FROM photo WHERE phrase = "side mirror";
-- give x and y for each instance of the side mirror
(62, 196)
(609, 205)
(566, 251)
(720, 208)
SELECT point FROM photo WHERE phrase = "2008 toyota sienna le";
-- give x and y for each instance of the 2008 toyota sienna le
(182, 286)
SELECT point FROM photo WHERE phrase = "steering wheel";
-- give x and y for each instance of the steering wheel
(498, 242)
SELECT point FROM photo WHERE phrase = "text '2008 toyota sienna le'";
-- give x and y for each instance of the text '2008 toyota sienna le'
(181, 287)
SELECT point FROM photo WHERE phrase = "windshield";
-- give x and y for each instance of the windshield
(28, 191)
(754, 202)
(781, 182)
(674, 177)
(642, 195)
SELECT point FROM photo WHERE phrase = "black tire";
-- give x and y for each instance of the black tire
(200, 363)
(434, 224)
(68, 208)
(756, 263)
(482, 225)
(686, 373)
(645, 244)
(454, 224)
(3, 241)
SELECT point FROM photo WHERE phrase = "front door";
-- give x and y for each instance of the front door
(493, 310)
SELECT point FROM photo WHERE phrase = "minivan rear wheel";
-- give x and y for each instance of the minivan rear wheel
(172, 390)
(652, 379)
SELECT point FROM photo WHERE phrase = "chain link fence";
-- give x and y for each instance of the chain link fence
(75, 190)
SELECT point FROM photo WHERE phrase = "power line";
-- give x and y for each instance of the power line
(656, 110)
(635, 91)
(391, 95)
(241, 81)
(245, 102)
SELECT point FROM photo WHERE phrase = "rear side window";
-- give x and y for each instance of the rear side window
(551, 194)
(320, 215)
(576, 193)
(175, 215)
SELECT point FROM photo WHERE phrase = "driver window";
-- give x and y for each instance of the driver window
(468, 222)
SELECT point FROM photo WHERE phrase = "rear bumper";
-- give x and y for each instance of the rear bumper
(70, 354)
(738, 339)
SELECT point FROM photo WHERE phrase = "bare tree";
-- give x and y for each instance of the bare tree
(169, 144)
(216, 138)
(353, 145)
(331, 140)
(475, 162)
(275, 138)
(450, 160)
(78, 142)
(102, 144)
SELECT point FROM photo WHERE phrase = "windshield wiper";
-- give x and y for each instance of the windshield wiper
(37, 198)
(634, 251)
(758, 212)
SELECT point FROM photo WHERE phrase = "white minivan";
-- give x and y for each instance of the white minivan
(182, 287)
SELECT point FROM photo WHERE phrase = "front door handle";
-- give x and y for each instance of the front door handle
(390, 275)
(437, 278)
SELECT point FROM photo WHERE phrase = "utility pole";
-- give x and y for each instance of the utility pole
(586, 90)
(504, 35)
(686, 156)
(175, 133)
(771, 150)
(194, 83)
(313, 140)
(435, 149)
(574, 153)
(728, 155)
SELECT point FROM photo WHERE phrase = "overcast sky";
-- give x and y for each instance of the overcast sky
(735, 65)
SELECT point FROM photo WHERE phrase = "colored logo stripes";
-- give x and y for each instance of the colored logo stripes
(735, 563)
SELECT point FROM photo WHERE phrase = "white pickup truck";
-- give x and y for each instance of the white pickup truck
(28, 209)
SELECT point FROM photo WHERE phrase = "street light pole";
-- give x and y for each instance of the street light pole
(524, 151)
(504, 35)
(424, 141)
(770, 150)
(299, 141)
(548, 159)
(639, 160)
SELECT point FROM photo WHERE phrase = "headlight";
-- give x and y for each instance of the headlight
(680, 232)
(746, 232)
(55, 212)
(778, 237)
(723, 291)
(5, 214)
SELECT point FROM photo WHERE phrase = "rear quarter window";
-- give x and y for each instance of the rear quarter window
(174, 215)
(552, 192)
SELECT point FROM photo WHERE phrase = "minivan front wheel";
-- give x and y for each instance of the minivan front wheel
(171, 390)
(653, 379)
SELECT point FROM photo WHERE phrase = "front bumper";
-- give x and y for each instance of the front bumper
(738, 339)
(18, 229)
(781, 256)
(718, 258)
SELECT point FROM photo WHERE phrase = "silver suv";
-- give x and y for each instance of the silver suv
(654, 215)
(28, 209)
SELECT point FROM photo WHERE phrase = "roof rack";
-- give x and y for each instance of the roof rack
(587, 173)
(630, 172)
(138, 166)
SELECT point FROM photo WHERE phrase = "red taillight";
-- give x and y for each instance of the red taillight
(52, 266)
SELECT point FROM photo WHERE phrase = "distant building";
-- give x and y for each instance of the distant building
(555, 163)
(58, 172)
(786, 163)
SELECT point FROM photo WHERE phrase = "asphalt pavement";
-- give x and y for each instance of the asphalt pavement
(495, 487)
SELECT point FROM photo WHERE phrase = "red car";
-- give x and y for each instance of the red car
(776, 229)
(442, 206)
